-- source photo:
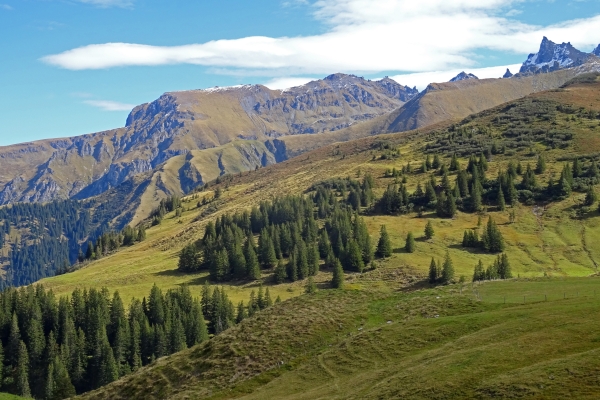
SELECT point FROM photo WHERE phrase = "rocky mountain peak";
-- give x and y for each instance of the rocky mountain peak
(552, 57)
(507, 74)
(463, 76)
(597, 51)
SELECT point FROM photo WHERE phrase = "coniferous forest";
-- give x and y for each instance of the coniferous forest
(54, 348)
(41, 240)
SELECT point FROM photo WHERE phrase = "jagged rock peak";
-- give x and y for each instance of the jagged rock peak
(507, 74)
(597, 51)
(463, 76)
(552, 57)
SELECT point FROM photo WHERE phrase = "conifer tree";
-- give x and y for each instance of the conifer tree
(590, 196)
(540, 167)
(337, 281)
(241, 312)
(384, 246)
(280, 272)
(479, 272)
(577, 169)
(252, 266)
(313, 259)
(454, 163)
(500, 201)
(447, 269)
(292, 265)
(513, 195)
(278, 299)
(475, 197)
(429, 232)
(410, 243)
(108, 367)
(353, 258)
(433, 271)
(58, 382)
(302, 260)
(436, 161)
(21, 372)
(268, 300)
(324, 244)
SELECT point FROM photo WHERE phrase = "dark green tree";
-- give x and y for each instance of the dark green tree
(337, 281)
(447, 269)
(384, 246)
(433, 272)
(429, 232)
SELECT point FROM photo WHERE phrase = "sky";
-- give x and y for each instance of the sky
(70, 67)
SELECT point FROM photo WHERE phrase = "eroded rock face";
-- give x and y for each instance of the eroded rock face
(179, 122)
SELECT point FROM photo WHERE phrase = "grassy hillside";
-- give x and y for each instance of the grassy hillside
(448, 342)
(545, 238)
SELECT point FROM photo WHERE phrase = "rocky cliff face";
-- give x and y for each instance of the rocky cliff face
(463, 76)
(553, 57)
(180, 122)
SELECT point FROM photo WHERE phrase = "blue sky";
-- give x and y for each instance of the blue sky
(75, 67)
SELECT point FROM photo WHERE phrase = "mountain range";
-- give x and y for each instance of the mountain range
(185, 139)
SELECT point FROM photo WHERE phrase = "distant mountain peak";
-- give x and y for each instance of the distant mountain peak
(552, 57)
(507, 74)
(597, 51)
(463, 76)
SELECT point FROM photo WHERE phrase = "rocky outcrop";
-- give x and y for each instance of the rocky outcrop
(507, 74)
(553, 57)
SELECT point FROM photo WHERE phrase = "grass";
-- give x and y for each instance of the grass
(6, 396)
(373, 343)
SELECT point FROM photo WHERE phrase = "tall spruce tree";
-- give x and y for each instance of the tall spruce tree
(337, 281)
(21, 372)
(429, 232)
(447, 269)
(433, 271)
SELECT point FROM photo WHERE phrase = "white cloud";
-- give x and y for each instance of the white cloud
(109, 3)
(108, 105)
(363, 36)
(287, 82)
(6, 7)
(422, 79)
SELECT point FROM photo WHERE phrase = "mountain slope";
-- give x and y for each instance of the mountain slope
(455, 100)
(545, 240)
(180, 122)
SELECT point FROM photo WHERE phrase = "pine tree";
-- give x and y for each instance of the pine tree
(337, 281)
(313, 259)
(479, 272)
(302, 260)
(58, 382)
(436, 161)
(252, 266)
(311, 287)
(475, 197)
(324, 244)
(410, 243)
(447, 269)
(384, 246)
(21, 372)
(268, 300)
(577, 168)
(280, 272)
(353, 258)
(433, 272)
(108, 367)
(540, 167)
(429, 232)
(500, 201)
(590, 196)
(241, 312)
(454, 164)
